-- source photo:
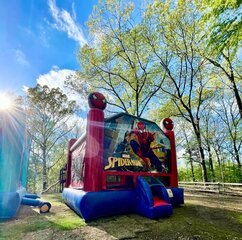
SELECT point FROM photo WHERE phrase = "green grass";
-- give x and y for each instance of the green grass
(59, 218)
(188, 222)
(65, 221)
(240, 218)
(15, 231)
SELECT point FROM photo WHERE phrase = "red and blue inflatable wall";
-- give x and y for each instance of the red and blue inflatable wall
(122, 164)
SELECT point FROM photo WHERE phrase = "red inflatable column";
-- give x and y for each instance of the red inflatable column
(94, 143)
(69, 162)
(168, 126)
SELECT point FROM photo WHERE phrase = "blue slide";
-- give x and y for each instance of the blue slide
(152, 198)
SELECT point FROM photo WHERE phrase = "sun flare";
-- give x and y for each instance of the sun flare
(6, 102)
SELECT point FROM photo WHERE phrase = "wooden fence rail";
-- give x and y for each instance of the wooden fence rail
(214, 187)
(234, 189)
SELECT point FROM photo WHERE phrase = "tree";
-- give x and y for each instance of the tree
(174, 37)
(225, 64)
(162, 54)
(49, 111)
(119, 62)
(227, 111)
(207, 134)
(222, 22)
(191, 152)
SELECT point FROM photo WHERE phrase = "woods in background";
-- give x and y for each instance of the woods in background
(156, 59)
(177, 59)
(49, 114)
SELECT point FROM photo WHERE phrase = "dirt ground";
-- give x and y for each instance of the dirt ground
(233, 203)
(203, 216)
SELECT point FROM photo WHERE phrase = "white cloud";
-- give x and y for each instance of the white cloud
(64, 22)
(25, 88)
(78, 124)
(55, 67)
(56, 79)
(21, 58)
(73, 10)
(43, 36)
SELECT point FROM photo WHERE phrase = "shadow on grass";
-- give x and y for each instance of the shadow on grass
(187, 222)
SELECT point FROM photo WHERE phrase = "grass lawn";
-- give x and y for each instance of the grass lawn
(202, 217)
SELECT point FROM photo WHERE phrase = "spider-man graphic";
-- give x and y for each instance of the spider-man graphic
(140, 141)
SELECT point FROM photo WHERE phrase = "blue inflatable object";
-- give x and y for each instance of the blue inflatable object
(14, 154)
(30, 202)
(43, 206)
(9, 204)
(13, 161)
(31, 195)
(177, 196)
(151, 200)
(92, 205)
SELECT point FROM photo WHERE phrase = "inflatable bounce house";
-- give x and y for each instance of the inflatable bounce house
(122, 164)
(14, 155)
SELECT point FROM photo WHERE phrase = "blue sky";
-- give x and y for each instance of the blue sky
(39, 40)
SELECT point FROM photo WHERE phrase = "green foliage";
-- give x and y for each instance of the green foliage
(167, 109)
(50, 101)
(222, 19)
(59, 161)
(118, 61)
(174, 59)
(231, 172)
(49, 111)
(185, 174)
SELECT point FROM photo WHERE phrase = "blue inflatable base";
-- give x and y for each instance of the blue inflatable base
(147, 199)
(178, 196)
(92, 205)
(9, 204)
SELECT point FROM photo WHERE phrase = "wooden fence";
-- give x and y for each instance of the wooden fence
(234, 189)
(213, 187)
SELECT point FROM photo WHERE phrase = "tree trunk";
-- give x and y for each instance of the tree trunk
(201, 151)
(35, 173)
(187, 177)
(44, 170)
(192, 168)
(190, 156)
(236, 93)
(231, 79)
(211, 163)
(237, 157)
(203, 163)
(220, 164)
